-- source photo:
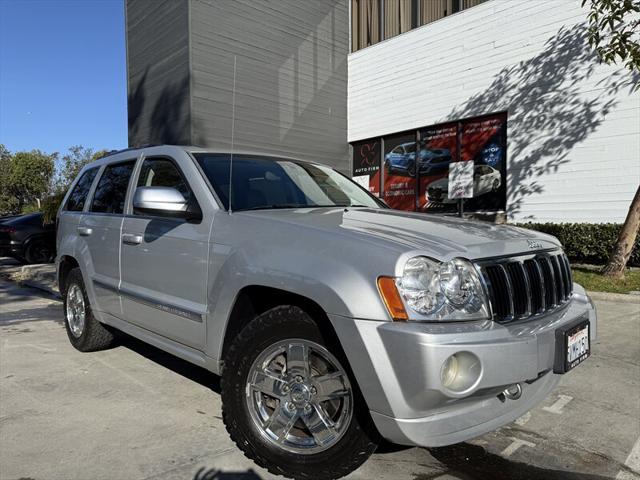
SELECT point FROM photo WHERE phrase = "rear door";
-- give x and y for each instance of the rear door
(71, 212)
(100, 229)
(165, 261)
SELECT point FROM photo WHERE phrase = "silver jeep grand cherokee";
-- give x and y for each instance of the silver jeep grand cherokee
(334, 321)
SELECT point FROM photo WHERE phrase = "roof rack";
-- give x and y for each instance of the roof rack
(146, 145)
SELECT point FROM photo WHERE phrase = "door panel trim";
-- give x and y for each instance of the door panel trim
(150, 302)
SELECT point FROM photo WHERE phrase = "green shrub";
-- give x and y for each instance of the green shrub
(587, 242)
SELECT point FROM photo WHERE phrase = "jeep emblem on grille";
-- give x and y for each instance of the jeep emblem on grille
(533, 244)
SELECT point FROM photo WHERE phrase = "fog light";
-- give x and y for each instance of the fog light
(460, 372)
(449, 371)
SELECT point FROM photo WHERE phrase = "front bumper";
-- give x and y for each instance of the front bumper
(397, 366)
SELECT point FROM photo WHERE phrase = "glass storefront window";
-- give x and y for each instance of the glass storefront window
(416, 165)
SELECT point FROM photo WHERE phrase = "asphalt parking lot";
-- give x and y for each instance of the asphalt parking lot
(134, 412)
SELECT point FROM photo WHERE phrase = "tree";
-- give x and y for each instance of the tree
(626, 240)
(72, 163)
(614, 33)
(25, 178)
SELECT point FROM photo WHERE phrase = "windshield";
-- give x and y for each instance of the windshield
(267, 183)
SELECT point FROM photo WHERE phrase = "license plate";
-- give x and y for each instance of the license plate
(573, 346)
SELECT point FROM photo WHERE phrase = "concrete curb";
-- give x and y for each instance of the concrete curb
(615, 297)
(44, 286)
(41, 277)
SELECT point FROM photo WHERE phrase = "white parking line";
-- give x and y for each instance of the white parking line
(633, 462)
(523, 419)
(557, 407)
(515, 445)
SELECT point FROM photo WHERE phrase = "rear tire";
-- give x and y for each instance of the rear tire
(306, 448)
(85, 332)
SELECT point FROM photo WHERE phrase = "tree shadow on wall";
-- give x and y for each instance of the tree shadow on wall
(552, 107)
(159, 118)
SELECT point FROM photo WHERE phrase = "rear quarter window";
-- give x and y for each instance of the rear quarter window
(78, 195)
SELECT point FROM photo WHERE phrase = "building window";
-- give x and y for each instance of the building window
(365, 23)
(376, 20)
(398, 17)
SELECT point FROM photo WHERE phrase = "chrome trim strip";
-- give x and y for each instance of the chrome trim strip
(517, 256)
(150, 302)
(105, 285)
(543, 291)
(560, 288)
(485, 287)
(527, 312)
(554, 283)
(566, 262)
(509, 292)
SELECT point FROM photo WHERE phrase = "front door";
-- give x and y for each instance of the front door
(165, 263)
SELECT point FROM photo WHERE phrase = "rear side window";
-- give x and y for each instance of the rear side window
(112, 188)
(78, 195)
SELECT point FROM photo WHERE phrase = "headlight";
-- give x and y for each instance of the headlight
(443, 291)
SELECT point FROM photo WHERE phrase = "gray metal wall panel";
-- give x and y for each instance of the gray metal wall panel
(158, 71)
(291, 81)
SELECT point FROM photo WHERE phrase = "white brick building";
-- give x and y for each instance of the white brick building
(573, 125)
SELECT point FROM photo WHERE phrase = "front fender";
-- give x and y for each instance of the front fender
(337, 288)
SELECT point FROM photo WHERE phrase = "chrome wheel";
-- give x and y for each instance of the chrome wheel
(75, 310)
(299, 396)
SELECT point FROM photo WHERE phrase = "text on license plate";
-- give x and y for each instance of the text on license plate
(578, 346)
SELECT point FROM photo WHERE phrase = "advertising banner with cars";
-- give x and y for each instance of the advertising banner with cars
(400, 165)
(416, 166)
(438, 147)
(483, 140)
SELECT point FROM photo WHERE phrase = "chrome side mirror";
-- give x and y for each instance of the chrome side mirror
(163, 201)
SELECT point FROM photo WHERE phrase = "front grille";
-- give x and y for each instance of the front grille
(525, 286)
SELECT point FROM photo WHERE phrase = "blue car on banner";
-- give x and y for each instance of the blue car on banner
(402, 160)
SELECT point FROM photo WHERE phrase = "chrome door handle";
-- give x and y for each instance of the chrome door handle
(84, 231)
(131, 239)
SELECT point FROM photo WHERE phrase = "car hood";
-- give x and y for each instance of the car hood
(438, 236)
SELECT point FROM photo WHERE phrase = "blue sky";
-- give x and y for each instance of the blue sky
(62, 74)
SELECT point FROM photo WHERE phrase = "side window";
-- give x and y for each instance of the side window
(112, 188)
(78, 195)
(162, 172)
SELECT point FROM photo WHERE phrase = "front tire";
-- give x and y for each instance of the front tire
(288, 402)
(85, 332)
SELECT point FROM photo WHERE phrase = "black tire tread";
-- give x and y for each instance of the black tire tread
(359, 451)
(95, 336)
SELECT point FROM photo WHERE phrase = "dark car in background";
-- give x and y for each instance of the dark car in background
(27, 238)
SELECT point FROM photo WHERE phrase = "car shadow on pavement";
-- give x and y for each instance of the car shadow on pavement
(472, 462)
(30, 315)
(215, 474)
(177, 365)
